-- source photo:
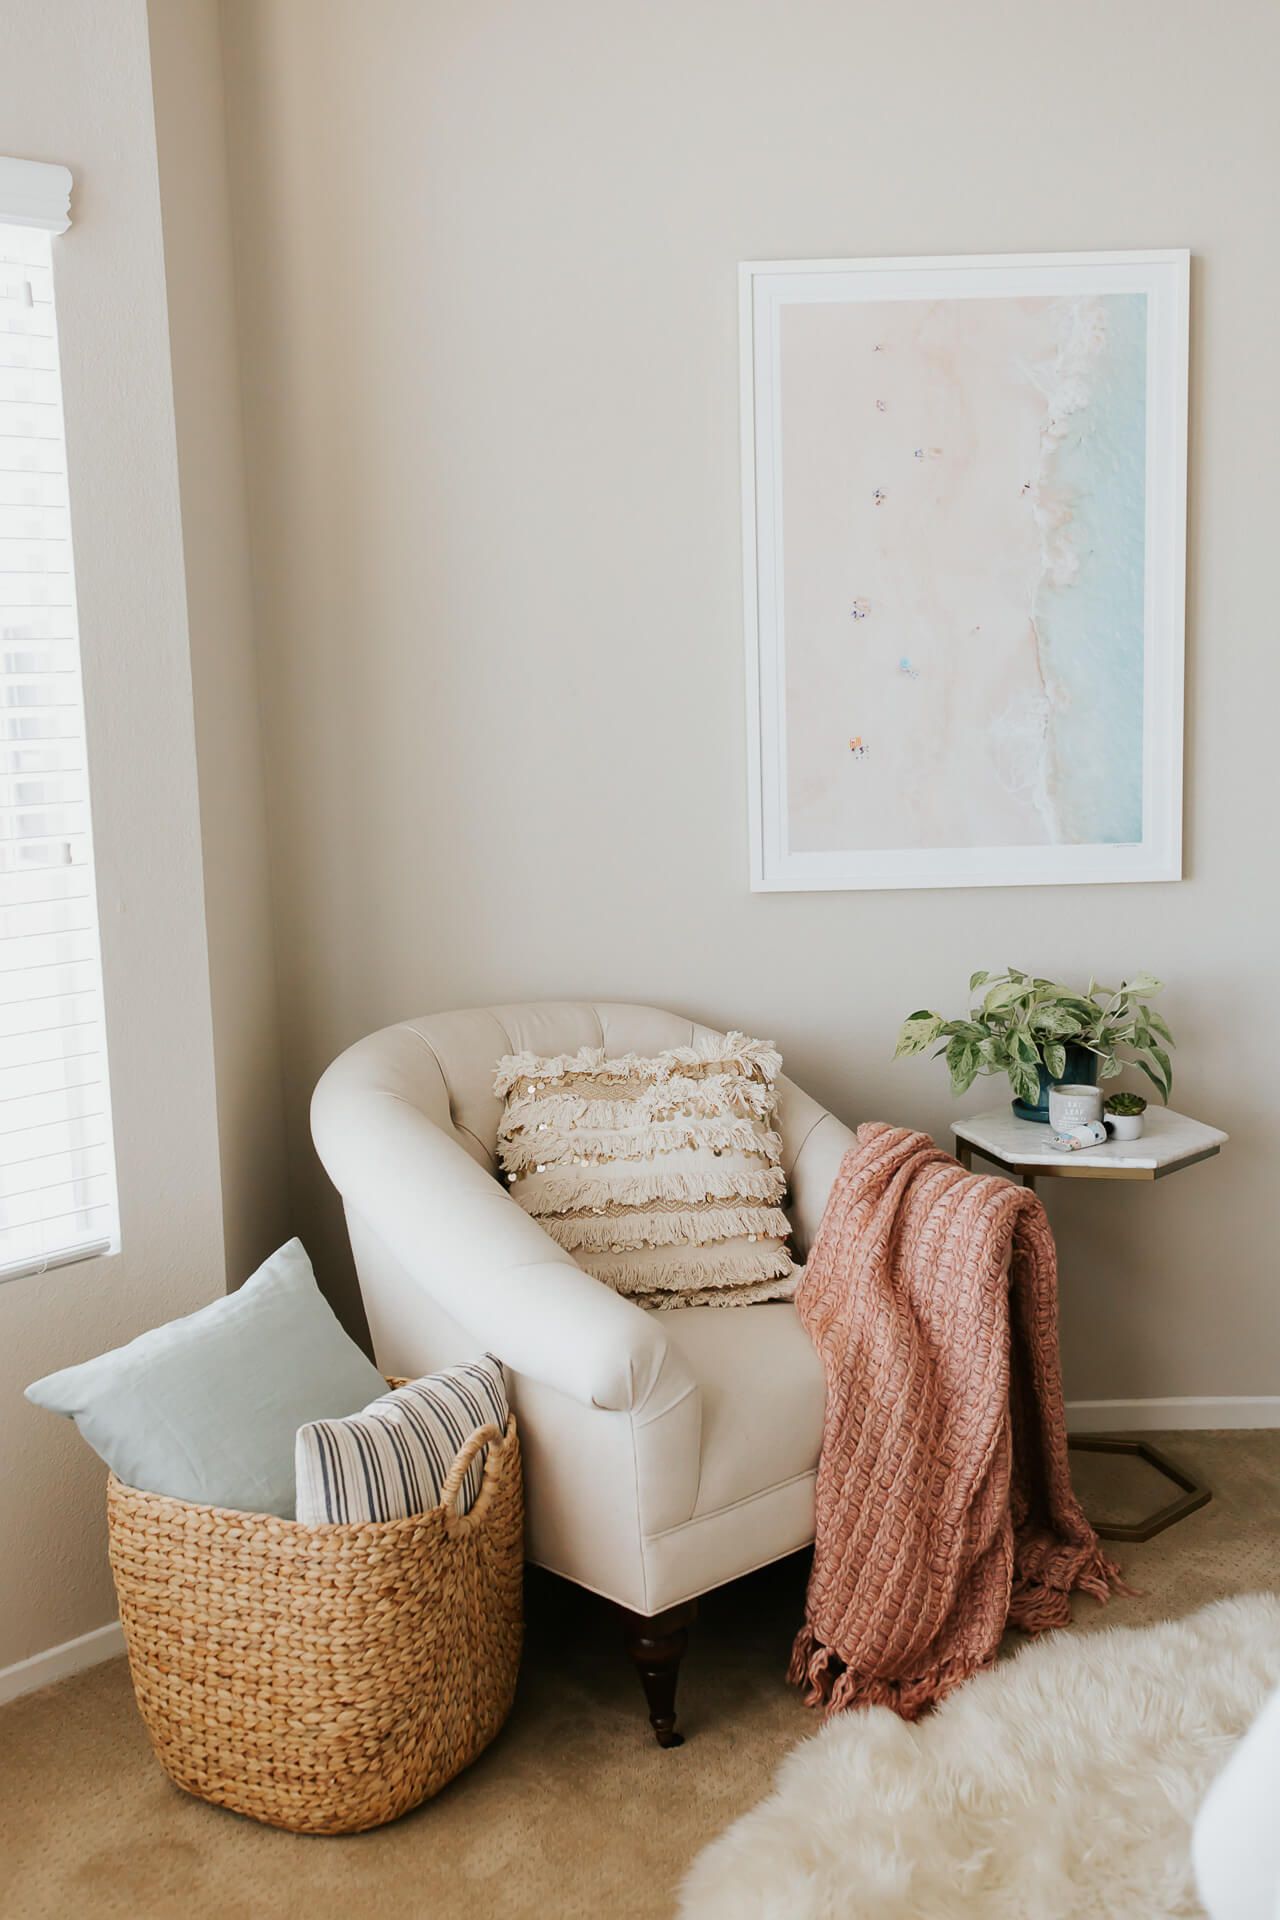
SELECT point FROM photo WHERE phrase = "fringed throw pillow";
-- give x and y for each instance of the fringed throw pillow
(661, 1177)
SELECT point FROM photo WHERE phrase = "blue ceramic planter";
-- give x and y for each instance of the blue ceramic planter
(1081, 1070)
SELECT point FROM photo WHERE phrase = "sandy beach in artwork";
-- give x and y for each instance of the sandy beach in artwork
(935, 472)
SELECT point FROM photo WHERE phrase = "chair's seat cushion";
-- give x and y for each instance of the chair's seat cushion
(762, 1398)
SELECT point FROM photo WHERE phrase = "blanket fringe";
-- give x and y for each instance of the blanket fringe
(1037, 1605)
(836, 1688)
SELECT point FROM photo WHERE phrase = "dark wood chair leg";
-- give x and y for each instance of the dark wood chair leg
(656, 1643)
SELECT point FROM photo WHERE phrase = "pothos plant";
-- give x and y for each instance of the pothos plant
(1024, 1023)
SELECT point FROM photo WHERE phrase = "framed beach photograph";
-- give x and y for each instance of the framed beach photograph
(964, 517)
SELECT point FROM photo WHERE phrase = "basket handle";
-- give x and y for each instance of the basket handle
(458, 1471)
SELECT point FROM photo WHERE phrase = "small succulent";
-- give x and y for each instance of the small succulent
(1125, 1103)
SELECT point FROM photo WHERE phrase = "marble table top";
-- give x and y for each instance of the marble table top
(1170, 1140)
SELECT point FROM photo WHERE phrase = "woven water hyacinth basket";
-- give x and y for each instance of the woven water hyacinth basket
(323, 1678)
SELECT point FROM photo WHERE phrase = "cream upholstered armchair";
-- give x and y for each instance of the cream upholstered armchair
(665, 1453)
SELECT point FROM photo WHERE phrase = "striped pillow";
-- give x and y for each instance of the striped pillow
(392, 1459)
(661, 1177)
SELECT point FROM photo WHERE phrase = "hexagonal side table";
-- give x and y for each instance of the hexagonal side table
(1170, 1142)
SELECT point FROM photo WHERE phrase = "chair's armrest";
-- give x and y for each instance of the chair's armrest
(812, 1173)
(467, 1243)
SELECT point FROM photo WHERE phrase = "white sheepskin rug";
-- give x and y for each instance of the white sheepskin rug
(1058, 1785)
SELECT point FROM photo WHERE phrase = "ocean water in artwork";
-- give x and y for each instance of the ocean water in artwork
(1089, 608)
(963, 571)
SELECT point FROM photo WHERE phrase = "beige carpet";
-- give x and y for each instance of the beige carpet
(574, 1810)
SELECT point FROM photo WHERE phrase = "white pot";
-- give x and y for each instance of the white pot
(1126, 1126)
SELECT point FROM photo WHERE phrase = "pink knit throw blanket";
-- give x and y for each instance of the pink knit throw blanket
(944, 1502)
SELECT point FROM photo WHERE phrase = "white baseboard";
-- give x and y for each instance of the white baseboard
(55, 1663)
(1190, 1413)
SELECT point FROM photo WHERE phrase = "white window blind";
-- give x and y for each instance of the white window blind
(57, 1177)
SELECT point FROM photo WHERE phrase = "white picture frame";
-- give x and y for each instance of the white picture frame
(771, 291)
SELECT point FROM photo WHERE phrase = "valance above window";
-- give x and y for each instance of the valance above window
(35, 194)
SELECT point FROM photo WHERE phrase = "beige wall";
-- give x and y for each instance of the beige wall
(75, 87)
(487, 265)
(160, 524)
(191, 141)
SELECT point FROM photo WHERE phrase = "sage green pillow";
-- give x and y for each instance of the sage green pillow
(207, 1408)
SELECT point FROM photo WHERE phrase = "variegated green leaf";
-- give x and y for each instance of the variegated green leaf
(917, 1032)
